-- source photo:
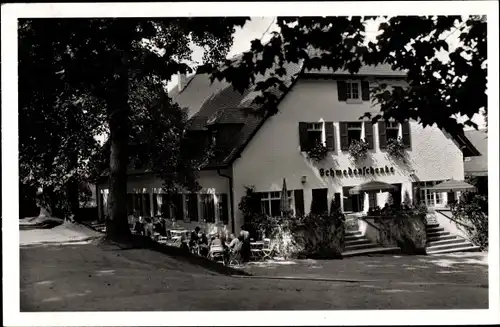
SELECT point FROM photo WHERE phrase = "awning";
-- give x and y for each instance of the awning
(372, 187)
(452, 186)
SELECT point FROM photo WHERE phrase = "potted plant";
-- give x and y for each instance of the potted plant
(358, 150)
(396, 149)
(318, 152)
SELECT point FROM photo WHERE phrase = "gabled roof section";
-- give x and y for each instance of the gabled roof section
(219, 103)
(477, 165)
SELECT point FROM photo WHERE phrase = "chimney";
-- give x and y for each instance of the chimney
(181, 81)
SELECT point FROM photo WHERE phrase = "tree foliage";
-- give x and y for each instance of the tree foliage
(87, 74)
(437, 91)
(472, 212)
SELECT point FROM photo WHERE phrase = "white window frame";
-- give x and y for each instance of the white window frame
(430, 199)
(349, 90)
(276, 195)
(361, 128)
(390, 126)
(317, 127)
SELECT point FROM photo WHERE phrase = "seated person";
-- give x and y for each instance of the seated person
(234, 242)
(194, 237)
(203, 245)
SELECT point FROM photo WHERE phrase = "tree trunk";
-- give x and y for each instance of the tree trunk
(118, 111)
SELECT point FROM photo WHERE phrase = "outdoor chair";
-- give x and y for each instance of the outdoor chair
(234, 259)
(216, 253)
(266, 250)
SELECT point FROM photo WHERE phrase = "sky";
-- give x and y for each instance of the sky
(262, 27)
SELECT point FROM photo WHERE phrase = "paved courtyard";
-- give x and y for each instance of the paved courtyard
(89, 277)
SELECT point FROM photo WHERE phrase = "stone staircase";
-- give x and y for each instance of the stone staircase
(356, 244)
(439, 241)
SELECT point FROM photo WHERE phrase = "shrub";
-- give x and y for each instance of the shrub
(313, 236)
(396, 149)
(321, 236)
(472, 211)
(358, 150)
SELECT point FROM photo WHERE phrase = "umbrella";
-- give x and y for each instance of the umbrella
(284, 205)
(372, 187)
(452, 185)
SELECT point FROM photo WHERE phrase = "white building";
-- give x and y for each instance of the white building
(260, 152)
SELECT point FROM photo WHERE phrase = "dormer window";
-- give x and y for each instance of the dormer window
(353, 90)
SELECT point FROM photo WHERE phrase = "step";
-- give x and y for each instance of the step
(442, 233)
(360, 246)
(457, 243)
(376, 250)
(431, 225)
(353, 233)
(441, 238)
(434, 229)
(353, 238)
(361, 240)
(472, 248)
(445, 241)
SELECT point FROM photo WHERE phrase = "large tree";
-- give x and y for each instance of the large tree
(438, 91)
(99, 60)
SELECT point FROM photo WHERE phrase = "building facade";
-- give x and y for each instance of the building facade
(320, 107)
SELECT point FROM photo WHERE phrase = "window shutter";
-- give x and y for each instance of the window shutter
(193, 206)
(382, 135)
(365, 91)
(299, 202)
(344, 138)
(342, 90)
(223, 215)
(178, 207)
(130, 204)
(303, 136)
(337, 199)
(406, 134)
(369, 134)
(330, 138)
(147, 205)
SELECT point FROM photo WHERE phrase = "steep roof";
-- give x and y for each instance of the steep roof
(382, 70)
(219, 103)
(477, 165)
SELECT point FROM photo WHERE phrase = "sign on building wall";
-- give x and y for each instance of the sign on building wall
(355, 172)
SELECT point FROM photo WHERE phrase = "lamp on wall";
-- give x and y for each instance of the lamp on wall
(303, 179)
(412, 173)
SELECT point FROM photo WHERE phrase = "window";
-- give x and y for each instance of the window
(352, 202)
(314, 134)
(353, 90)
(372, 200)
(439, 198)
(392, 130)
(427, 197)
(318, 132)
(271, 202)
(354, 132)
